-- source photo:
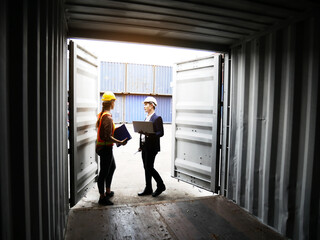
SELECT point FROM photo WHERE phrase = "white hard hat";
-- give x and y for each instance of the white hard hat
(151, 100)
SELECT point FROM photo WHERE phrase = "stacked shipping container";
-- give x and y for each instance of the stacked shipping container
(132, 83)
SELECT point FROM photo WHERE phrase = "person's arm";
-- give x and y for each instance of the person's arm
(122, 142)
(108, 125)
(159, 127)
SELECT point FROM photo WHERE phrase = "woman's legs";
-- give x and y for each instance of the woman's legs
(107, 168)
(110, 173)
(103, 172)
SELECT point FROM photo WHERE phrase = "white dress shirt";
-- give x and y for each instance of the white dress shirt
(143, 137)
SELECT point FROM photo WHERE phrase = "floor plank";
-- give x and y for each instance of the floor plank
(201, 218)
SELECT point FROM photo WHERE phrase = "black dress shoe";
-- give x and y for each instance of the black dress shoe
(145, 192)
(158, 191)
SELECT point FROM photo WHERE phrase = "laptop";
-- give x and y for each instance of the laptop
(143, 126)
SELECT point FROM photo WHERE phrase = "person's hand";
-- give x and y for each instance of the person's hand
(124, 141)
(145, 133)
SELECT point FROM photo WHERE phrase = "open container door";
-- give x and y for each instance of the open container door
(196, 120)
(83, 105)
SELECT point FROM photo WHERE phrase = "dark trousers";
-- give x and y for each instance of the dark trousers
(149, 171)
(107, 167)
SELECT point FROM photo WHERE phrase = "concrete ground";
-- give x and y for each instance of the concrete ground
(128, 178)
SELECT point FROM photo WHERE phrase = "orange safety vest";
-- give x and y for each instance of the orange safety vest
(100, 142)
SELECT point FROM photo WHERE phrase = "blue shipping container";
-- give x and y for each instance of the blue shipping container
(112, 77)
(117, 112)
(164, 108)
(163, 79)
(135, 78)
(134, 110)
(139, 78)
(130, 108)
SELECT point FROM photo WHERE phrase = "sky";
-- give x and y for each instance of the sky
(111, 51)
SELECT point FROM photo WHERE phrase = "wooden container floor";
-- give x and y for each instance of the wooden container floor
(201, 218)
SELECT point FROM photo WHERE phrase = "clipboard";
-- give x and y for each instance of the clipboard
(121, 133)
(143, 126)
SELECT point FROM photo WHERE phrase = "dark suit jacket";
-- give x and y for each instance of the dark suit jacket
(152, 142)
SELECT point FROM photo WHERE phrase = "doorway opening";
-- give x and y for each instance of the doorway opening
(128, 178)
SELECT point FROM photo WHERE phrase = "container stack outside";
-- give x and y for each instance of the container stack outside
(132, 83)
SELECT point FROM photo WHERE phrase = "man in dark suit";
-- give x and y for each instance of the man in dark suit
(150, 146)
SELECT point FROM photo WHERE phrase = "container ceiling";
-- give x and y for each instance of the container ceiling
(212, 25)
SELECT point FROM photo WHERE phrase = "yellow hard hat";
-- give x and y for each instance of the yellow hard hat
(108, 96)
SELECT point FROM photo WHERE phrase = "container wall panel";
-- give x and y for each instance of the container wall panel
(274, 135)
(112, 76)
(132, 81)
(117, 112)
(34, 150)
(164, 108)
(140, 78)
(134, 110)
(163, 80)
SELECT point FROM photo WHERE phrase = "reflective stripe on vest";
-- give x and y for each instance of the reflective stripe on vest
(100, 142)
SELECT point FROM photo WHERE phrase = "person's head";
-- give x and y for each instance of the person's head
(150, 104)
(108, 99)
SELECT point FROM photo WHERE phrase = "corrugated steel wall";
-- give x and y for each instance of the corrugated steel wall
(135, 78)
(133, 83)
(140, 78)
(112, 76)
(33, 140)
(134, 110)
(274, 136)
(117, 112)
(164, 108)
(129, 108)
(163, 79)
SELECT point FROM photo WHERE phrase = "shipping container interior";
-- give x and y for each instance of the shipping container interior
(269, 142)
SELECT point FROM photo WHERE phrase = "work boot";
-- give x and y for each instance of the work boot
(104, 201)
(109, 195)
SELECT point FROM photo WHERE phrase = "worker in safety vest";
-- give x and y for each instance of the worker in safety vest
(105, 140)
(149, 147)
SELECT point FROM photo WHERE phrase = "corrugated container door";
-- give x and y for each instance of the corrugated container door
(83, 102)
(195, 122)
